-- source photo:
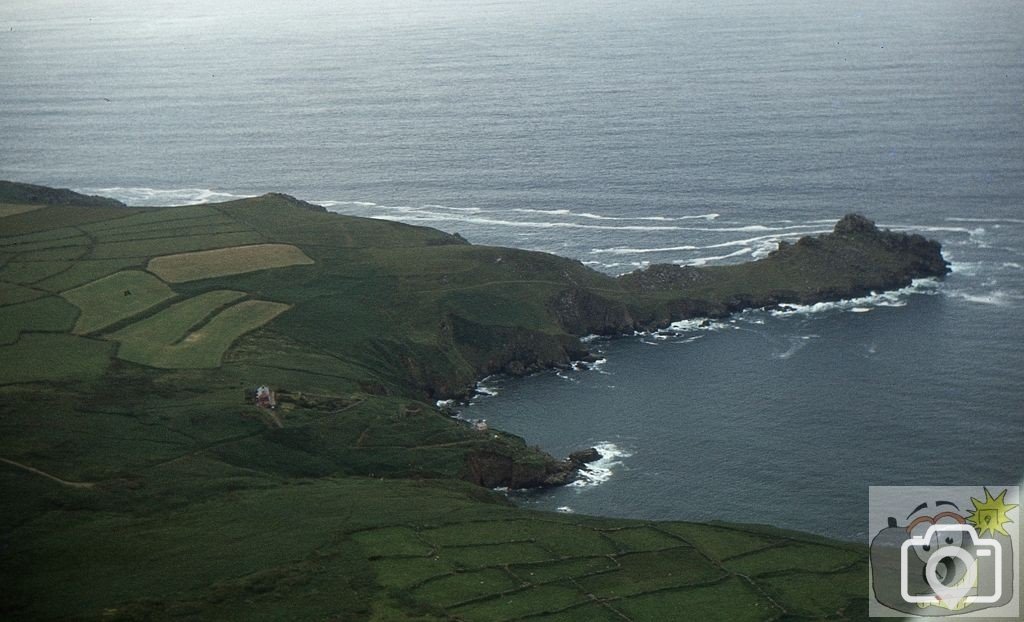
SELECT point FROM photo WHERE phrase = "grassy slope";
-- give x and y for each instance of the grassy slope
(346, 502)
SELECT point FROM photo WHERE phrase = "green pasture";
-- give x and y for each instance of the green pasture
(30, 272)
(86, 271)
(173, 339)
(12, 293)
(45, 357)
(49, 314)
(113, 298)
(172, 245)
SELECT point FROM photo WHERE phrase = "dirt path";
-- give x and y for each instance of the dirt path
(47, 475)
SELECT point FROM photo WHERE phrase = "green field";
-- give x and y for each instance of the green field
(30, 272)
(172, 324)
(12, 293)
(43, 357)
(147, 343)
(138, 483)
(86, 271)
(7, 209)
(49, 314)
(113, 298)
(171, 245)
(44, 238)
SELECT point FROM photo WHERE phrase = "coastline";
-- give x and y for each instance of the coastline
(355, 446)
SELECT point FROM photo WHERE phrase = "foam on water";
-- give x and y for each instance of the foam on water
(424, 216)
(796, 343)
(602, 469)
(592, 216)
(998, 297)
(695, 324)
(154, 197)
(484, 389)
(700, 261)
(1009, 221)
(895, 298)
(966, 268)
(773, 239)
(498, 217)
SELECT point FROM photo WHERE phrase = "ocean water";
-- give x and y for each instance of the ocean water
(620, 134)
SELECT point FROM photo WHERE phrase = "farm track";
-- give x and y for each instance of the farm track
(48, 476)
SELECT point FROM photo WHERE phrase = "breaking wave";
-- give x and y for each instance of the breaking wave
(156, 197)
(895, 298)
(796, 344)
(602, 469)
(700, 261)
(626, 250)
(588, 215)
(1012, 221)
(485, 389)
(997, 298)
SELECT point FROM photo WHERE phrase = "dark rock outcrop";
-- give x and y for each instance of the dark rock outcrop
(854, 224)
(16, 192)
(579, 310)
(496, 470)
(585, 456)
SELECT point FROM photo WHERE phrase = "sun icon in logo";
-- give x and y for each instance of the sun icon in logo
(991, 514)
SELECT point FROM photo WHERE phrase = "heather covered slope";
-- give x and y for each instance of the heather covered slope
(137, 476)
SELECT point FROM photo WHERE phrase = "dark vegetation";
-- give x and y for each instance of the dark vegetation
(134, 492)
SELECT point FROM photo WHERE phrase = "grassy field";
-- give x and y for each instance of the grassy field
(12, 293)
(8, 209)
(357, 548)
(148, 247)
(203, 347)
(48, 314)
(145, 339)
(113, 298)
(30, 272)
(86, 271)
(56, 236)
(43, 357)
(138, 483)
(226, 261)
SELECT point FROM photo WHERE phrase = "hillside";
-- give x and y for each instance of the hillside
(139, 476)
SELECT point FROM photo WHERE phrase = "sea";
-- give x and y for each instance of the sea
(621, 134)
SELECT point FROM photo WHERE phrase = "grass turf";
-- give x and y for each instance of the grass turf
(111, 299)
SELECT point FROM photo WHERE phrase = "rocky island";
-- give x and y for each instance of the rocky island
(227, 411)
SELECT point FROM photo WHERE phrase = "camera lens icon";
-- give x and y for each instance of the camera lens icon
(954, 556)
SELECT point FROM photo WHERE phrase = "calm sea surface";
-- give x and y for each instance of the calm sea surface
(619, 133)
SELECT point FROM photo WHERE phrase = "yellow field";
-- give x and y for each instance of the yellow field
(224, 261)
(114, 298)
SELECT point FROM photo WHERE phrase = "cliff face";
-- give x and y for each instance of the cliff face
(854, 260)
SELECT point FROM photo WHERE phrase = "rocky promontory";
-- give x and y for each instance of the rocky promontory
(855, 259)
